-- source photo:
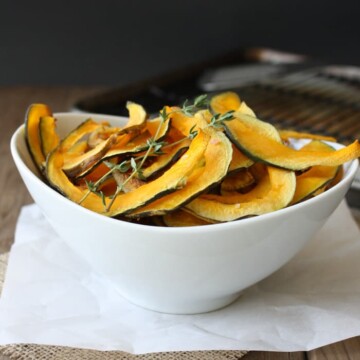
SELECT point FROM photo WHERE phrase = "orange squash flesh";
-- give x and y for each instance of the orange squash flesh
(157, 133)
(77, 149)
(182, 218)
(184, 124)
(229, 101)
(239, 160)
(97, 172)
(290, 134)
(137, 118)
(108, 187)
(225, 102)
(49, 139)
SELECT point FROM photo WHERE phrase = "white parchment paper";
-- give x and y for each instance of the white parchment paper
(53, 297)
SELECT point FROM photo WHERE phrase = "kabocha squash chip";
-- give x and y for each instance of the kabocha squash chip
(87, 127)
(254, 138)
(88, 159)
(224, 102)
(32, 135)
(291, 134)
(316, 178)
(158, 129)
(199, 164)
(183, 218)
(229, 101)
(282, 189)
(137, 118)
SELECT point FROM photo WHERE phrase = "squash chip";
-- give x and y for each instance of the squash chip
(317, 177)
(32, 134)
(252, 136)
(282, 184)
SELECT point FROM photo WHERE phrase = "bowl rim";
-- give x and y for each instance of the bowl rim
(19, 162)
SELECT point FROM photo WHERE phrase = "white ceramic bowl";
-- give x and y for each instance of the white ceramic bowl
(178, 270)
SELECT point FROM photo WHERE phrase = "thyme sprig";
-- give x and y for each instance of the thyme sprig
(217, 121)
(200, 102)
(94, 189)
(154, 147)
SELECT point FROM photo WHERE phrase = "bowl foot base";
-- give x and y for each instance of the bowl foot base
(186, 307)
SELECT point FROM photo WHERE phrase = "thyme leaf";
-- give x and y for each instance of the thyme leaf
(133, 164)
(192, 133)
(156, 146)
(201, 101)
(164, 115)
(122, 167)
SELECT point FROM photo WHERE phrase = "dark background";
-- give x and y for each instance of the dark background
(116, 42)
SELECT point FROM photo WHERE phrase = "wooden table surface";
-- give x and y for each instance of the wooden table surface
(13, 104)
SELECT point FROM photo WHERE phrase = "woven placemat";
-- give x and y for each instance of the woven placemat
(46, 352)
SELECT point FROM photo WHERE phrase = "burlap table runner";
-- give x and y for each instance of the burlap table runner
(29, 352)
